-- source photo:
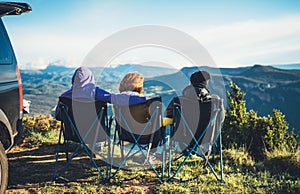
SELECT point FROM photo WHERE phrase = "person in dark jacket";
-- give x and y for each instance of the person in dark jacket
(197, 89)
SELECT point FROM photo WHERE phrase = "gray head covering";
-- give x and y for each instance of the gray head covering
(83, 84)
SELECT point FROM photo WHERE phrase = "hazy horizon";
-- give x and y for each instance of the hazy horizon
(291, 66)
(235, 33)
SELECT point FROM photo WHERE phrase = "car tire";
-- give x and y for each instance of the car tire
(3, 170)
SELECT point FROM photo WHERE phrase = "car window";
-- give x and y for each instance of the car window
(6, 55)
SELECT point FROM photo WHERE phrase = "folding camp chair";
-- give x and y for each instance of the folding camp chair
(139, 133)
(86, 123)
(195, 130)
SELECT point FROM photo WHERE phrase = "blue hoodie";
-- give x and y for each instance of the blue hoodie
(127, 98)
(83, 87)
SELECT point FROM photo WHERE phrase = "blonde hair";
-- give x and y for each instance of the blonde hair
(132, 81)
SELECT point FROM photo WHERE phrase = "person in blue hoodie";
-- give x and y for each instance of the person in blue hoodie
(84, 88)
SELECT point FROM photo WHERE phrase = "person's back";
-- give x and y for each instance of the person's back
(134, 107)
(196, 90)
(193, 117)
(131, 90)
(84, 88)
(197, 107)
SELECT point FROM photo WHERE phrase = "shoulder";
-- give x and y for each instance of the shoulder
(67, 94)
(103, 95)
(126, 99)
(188, 91)
(132, 93)
(101, 91)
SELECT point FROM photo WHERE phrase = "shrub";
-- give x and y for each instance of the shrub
(256, 134)
(41, 123)
(40, 129)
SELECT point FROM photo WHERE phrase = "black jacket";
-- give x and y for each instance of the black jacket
(200, 93)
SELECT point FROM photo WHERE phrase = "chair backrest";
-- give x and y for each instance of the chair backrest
(88, 117)
(199, 119)
(143, 119)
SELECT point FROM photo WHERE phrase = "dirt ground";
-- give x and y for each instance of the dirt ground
(31, 168)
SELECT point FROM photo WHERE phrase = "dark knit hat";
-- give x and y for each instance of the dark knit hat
(199, 78)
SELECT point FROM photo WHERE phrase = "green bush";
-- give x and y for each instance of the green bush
(41, 123)
(40, 129)
(257, 134)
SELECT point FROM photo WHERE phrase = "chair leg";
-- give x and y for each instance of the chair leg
(148, 153)
(57, 154)
(122, 149)
(221, 159)
(66, 143)
(108, 169)
(163, 162)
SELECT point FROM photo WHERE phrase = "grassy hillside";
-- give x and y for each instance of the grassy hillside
(34, 158)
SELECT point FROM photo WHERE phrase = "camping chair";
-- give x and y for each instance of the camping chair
(195, 129)
(86, 123)
(139, 133)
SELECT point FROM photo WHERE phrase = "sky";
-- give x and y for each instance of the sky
(234, 33)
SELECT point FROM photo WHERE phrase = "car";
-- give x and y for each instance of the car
(11, 94)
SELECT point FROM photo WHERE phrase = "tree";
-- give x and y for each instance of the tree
(234, 126)
(277, 135)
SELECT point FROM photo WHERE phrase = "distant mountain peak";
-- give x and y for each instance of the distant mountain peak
(56, 68)
(128, 65)
(262, 68)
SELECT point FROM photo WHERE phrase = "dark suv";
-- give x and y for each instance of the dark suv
(11, 95)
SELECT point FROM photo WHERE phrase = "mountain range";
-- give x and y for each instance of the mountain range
(266, 87)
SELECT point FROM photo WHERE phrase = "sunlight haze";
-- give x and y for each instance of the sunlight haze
(235, 33)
